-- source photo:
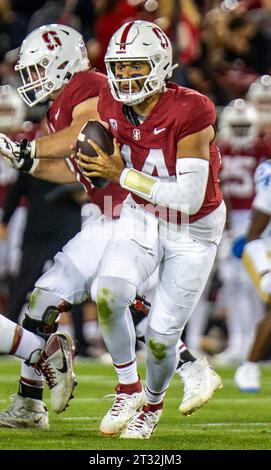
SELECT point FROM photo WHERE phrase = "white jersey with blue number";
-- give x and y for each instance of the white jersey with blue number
(262, 200)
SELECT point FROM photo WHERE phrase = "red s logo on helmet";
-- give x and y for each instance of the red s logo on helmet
(162, 37)
(52, 40)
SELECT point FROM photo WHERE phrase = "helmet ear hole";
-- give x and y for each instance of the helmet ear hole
(63, 65)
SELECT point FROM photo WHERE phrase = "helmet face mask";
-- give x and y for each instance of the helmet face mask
(239, 123)
(139, 41)
(259, 94)
(48, 58)
(145, 85)
(12, 109)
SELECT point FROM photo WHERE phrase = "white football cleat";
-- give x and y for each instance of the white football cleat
(200, 382)
(247, 377)
(124, 408)
(56, 364)
(228, 357)
(142, 425)
(25, 412)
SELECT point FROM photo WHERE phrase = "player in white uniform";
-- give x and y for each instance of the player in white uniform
(256, 258)
(74, 96)
(242, 149)
(167, 131)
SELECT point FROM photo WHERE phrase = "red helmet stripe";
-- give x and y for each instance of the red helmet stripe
(124, 35)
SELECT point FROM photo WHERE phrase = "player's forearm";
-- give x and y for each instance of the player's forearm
(185, 194)
(55, 171)
(57, 145)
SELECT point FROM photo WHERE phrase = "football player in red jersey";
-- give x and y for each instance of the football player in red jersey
(53, 65)
(166, 157)
(259, 95)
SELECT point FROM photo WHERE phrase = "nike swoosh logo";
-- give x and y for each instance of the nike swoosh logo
(64, 368)
(186, 173)
(157, 131)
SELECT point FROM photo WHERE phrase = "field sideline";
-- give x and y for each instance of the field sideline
(232, 420)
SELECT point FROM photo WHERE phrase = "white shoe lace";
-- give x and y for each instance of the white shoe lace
(122, 402)
(143, 422)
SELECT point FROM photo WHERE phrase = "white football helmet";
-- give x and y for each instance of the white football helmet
(12, 109)
(259, 94)
(239, 123)
(139, 41)
(48, 58)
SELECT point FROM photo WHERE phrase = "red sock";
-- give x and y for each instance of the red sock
(152, 407)
(129, 388)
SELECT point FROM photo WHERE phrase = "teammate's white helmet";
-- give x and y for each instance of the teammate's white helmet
(48, 58)
(259, 94)
(139, 41)
(12, 109)
(239, 123)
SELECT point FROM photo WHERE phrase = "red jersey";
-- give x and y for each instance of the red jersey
(151, 147)
(237, 172)
(84, 85)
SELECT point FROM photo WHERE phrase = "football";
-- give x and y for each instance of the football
(95, 131)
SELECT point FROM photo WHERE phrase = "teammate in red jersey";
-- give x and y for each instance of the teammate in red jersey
(165, 134)
(55, 72)
(57, 69)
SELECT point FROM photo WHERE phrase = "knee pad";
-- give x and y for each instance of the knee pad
(114, 295)
(44, 311)
(161, 345)
(115, 289)
(40, 327)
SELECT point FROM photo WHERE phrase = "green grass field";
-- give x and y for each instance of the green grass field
(232, 420)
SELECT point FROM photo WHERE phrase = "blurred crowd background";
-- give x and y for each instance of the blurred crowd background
(224, 51)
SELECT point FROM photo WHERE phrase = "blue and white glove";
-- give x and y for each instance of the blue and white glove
(238, 246)
(19, 155)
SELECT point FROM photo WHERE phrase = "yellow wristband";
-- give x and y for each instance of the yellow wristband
(138, 182)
